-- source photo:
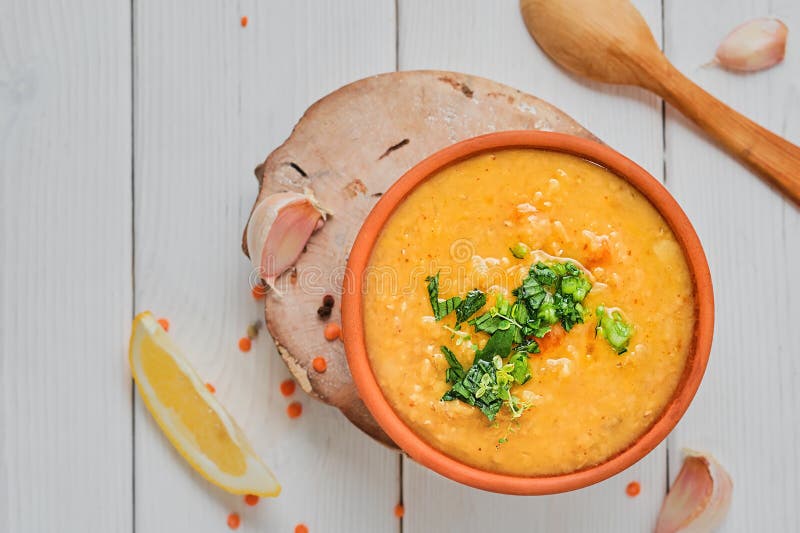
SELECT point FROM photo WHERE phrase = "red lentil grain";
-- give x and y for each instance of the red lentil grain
(332, 331)
(287, 387)
(320, 364)
(245, 344)
(294, 410)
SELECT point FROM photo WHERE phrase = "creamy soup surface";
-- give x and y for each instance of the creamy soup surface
(587, 403)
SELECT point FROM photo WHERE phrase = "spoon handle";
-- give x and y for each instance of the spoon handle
(773, 157)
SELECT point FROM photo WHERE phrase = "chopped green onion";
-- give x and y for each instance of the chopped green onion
(613, 327)
(519, 250)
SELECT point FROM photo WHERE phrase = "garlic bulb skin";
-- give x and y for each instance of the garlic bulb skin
(755, 45)
(699, 498)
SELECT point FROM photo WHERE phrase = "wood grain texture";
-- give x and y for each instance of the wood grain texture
(368, 134)
(490, 39)
(65, 279)
(211, 99)
(746, 411)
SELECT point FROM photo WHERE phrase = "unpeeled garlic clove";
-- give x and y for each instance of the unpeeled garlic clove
(698, 499)
(279, 228)
(755, 45)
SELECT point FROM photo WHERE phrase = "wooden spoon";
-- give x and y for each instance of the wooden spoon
(609, 41)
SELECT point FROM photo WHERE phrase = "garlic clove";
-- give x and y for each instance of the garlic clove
(279, 228)
(755, 45)
(261, 220)
(288, 236)
(698, 499)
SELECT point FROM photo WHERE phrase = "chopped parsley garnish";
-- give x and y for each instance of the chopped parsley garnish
(549, 294)
(552, 293)
(487, 385)
(456, 371)
(464, 309)
(613, 327)
(473, 302)
(499, 344)
(499, 317)
(478, 388)
(519, 371)
(441, 308)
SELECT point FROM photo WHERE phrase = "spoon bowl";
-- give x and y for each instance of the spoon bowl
(609, 41)
(600, 47)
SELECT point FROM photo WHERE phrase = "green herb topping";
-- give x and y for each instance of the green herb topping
(552, 293)
(613, 327)
(456, 371)
(549, 294)
(441, 308)
(487, 384)
(472, 303)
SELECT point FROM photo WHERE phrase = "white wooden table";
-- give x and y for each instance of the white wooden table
(128, 135)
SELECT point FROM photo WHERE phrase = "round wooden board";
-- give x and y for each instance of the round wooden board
(349, 147)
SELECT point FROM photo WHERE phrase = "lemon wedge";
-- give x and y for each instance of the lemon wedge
(191, 417)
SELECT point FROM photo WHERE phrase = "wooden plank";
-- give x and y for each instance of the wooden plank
(489, 39)
(747, 411)
(212, 99)
(65, 280)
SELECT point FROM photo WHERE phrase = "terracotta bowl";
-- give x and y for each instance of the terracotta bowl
(353, 317)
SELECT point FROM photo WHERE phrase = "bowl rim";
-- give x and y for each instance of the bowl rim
(353, 319)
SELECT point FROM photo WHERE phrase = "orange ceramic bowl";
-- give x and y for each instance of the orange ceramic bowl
(353, 316)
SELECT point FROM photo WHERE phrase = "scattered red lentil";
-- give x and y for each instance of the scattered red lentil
(332, 331)
(234, 521)
(211, 388)
(633, 489)
(164, 323)
(294, 410)
(300, 528)
(258, 292)
(244, 22)
(319, 364)
(399, 510)
(245, 344)
(287, 387)
(251, 499)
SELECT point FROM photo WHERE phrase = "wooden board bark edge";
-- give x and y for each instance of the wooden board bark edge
(349, 147)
